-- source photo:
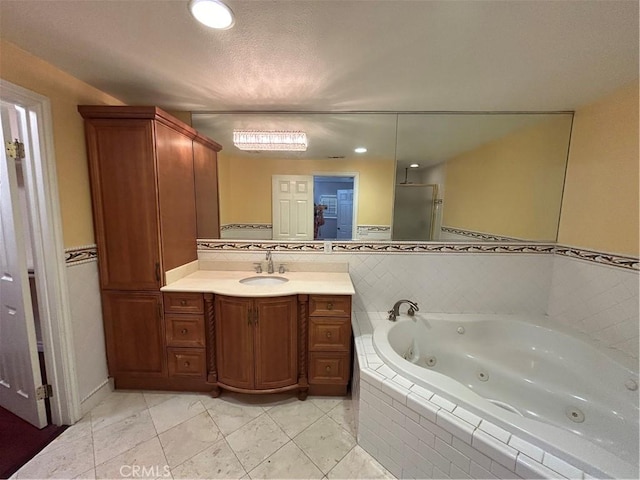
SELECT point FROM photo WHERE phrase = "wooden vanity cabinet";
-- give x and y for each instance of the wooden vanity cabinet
(329, 344)
(141, 166)
(257, 344)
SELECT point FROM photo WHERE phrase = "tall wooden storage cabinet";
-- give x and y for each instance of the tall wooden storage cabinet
(141, 163)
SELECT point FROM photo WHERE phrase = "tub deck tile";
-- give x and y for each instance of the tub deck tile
(422, 392)
(395, 391)
(467, 416)
(560, 466)
(495, 449)
(527, 448)
(456, 426)
(422, 407)
(495, 431)
(443, 403)
(528, 468)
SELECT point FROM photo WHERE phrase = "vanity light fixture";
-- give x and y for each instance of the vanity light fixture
(414, 165)
(212, 13)
(256, 140)
(360, 150)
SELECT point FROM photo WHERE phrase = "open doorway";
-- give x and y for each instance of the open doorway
(33, 277)
(335, 206)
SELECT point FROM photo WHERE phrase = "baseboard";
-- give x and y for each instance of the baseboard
(96, 396)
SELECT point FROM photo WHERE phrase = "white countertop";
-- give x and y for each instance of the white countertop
(225, 282)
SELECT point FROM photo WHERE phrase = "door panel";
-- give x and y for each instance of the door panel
(345, 214)
(234, 355)
(205, 165)
(19, 364)
(122, 167)
(176, 192)
(292, 207)
(276, 342)
(135, 334)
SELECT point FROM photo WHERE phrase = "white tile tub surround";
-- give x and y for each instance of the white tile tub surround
(415, 433)
(598, 300)
(451, 283)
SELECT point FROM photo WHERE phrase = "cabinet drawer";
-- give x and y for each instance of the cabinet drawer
(329, 306)
(186, 362)
(178, 302)
(328, 367)
(329, 334)
(185, 330)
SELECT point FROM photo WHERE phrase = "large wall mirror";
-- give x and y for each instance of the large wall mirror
(424, 176)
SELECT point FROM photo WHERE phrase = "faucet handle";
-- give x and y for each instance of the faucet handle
(282, 268)
(258, 267)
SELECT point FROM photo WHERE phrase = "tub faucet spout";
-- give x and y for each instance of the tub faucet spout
(395, 311)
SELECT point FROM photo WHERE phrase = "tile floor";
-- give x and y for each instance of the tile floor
(169, 435)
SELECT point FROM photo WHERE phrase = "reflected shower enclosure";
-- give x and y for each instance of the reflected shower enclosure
(415, 207)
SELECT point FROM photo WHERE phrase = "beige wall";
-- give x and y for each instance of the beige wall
(511, 186)
(65, 93)
(600, 204)
(245, 186)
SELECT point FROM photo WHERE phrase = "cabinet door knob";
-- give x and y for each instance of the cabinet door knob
(328, 368)
(329, 306)
(183, 331)
(328, 334)
(187, 364)
(183, 303)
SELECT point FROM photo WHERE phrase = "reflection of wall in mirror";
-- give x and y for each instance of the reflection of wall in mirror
(512, 186)
(245, 187)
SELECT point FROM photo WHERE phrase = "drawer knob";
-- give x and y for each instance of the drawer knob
(184, 331)
(329, 306)
(183, 303)
(328, 334)
(187, 364)
(328, 368)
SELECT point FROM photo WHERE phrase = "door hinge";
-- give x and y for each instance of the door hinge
(44, 391)
(15, 149)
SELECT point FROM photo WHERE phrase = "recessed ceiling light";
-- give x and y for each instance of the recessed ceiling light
(360, 150)
(212, 13)
(414, 165)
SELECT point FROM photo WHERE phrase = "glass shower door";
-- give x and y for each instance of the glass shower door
(413, 212)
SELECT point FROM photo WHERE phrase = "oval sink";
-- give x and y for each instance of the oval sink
(262, 281)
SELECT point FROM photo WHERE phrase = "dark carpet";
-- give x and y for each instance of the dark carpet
(20, 441)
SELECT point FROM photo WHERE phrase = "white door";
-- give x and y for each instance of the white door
(19, 364)
(292, 207)
(345, 214)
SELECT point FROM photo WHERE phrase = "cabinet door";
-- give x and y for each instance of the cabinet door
(123, 187)
(134, 334)
(205, 165)
(174, 152)
(276, 342)
(234, 341)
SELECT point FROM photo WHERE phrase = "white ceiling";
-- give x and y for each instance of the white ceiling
(329, 55)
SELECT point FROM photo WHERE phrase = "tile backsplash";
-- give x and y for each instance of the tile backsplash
(451, 283)
(595, 298)
(598, 300)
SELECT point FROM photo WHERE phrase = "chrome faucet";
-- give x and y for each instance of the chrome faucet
(395, 311)
(269, 262)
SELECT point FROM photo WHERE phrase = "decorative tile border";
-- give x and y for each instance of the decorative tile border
(253, 246)
(79, 255)
(480, 235)
(374, 228)
(245, 226)
(431, 247)
(602, 258)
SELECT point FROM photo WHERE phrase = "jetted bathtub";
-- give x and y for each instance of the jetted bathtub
(549, 387)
